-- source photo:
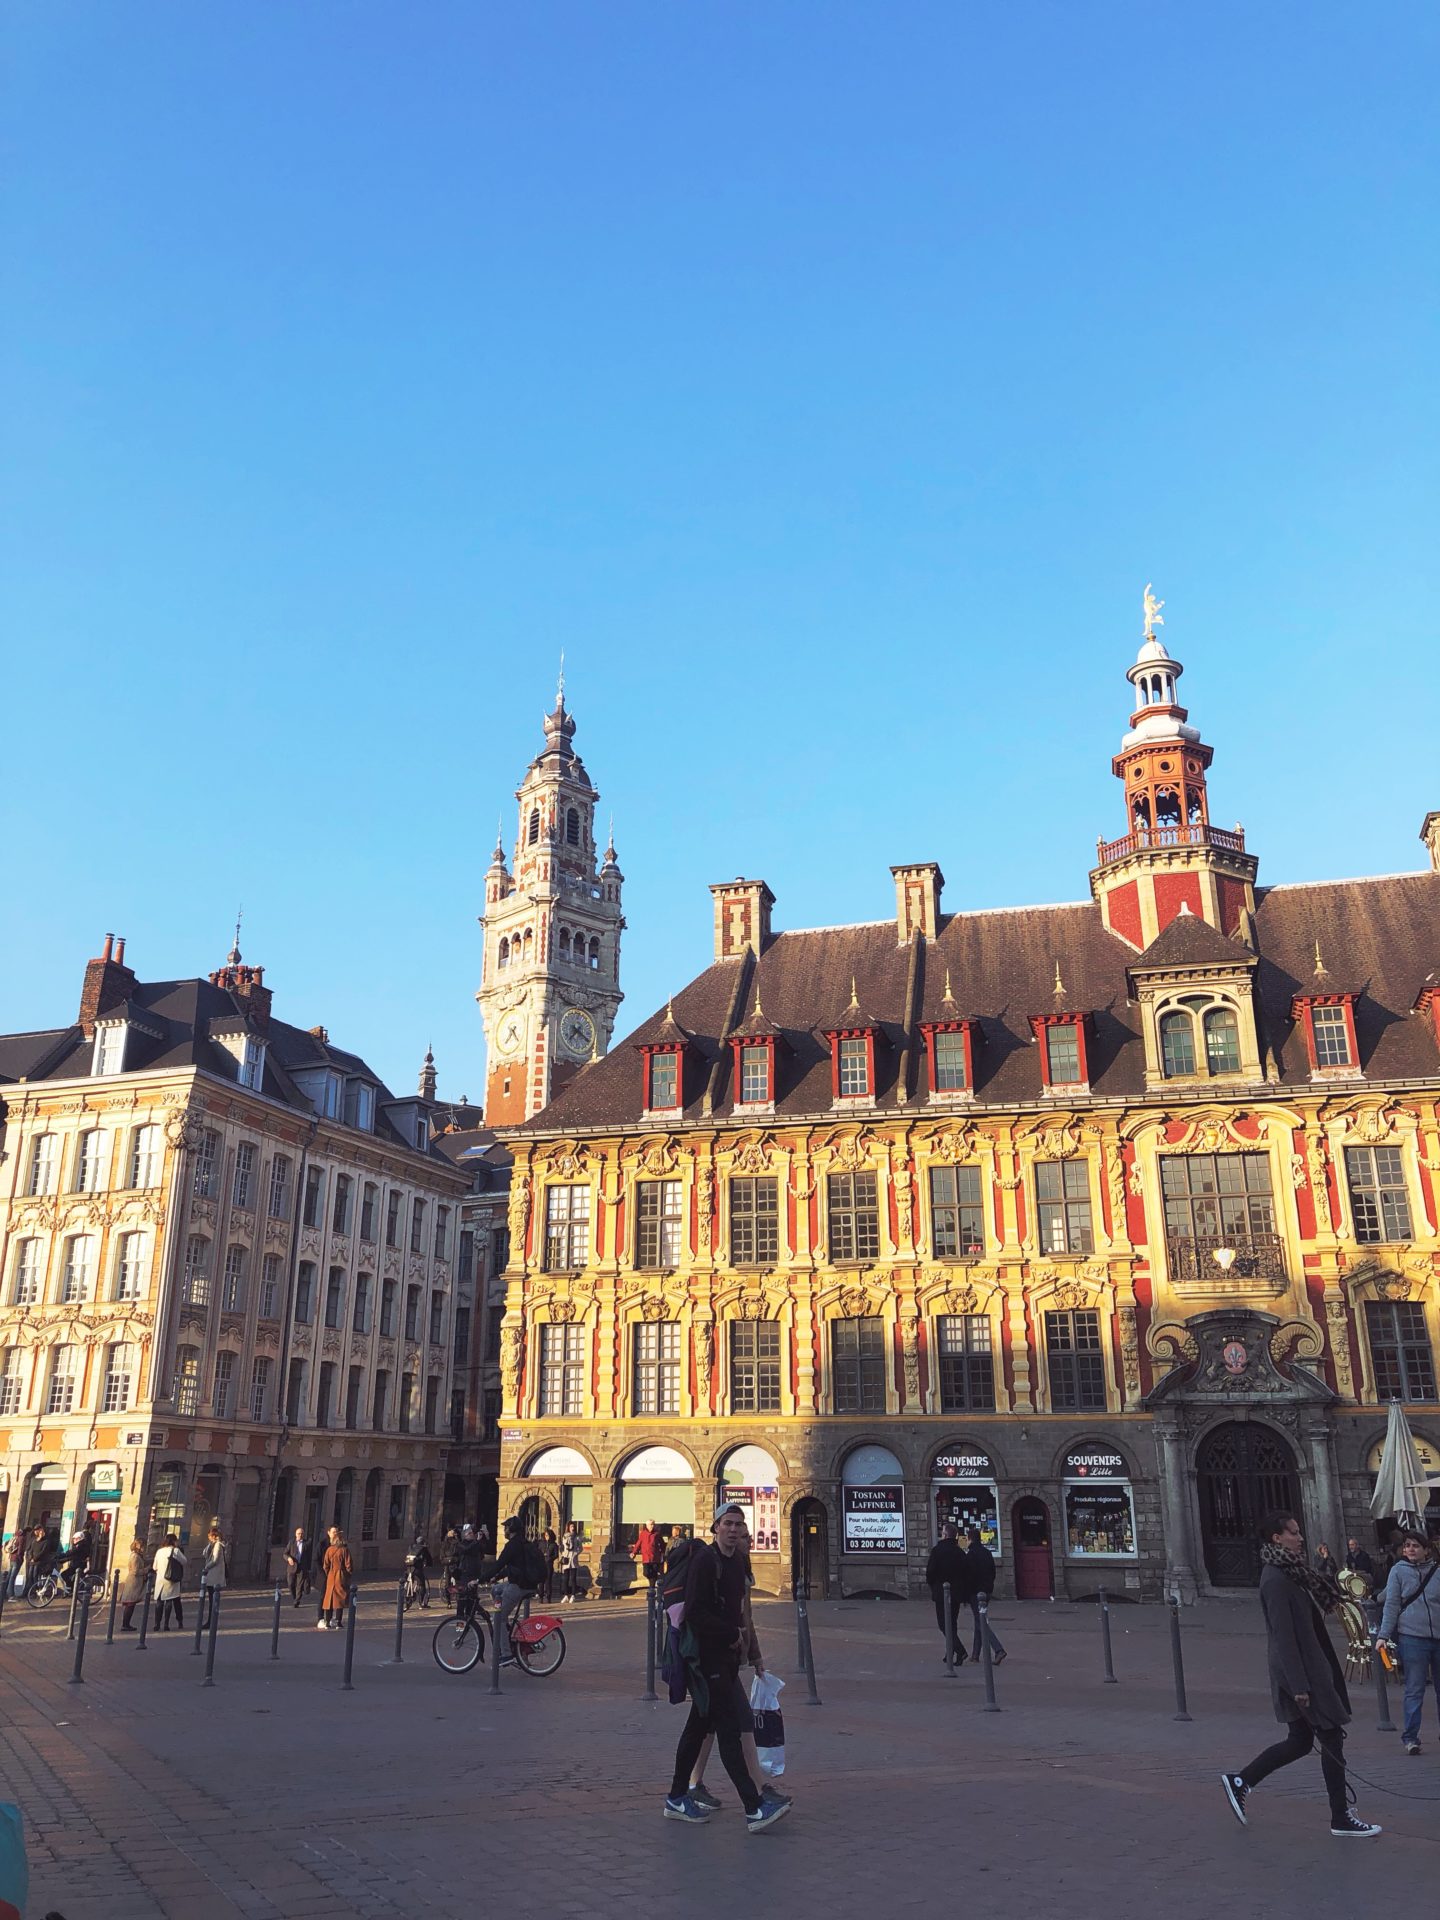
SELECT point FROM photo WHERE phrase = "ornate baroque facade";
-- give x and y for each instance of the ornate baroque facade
(1101, 1225)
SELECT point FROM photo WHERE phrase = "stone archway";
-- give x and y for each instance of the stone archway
(1244, 1469)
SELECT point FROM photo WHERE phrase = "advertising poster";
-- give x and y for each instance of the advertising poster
(761, 1508)
(874, 1520)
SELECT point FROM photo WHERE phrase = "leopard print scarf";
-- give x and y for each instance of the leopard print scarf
(1323, 1588)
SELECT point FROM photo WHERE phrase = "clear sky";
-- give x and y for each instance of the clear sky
(827, 379)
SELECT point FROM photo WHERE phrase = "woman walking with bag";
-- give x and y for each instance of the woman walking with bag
(1412, 1608)
(214, 1569)
(1306, 1683)
(570, 1547)
(339, 1568)
(169, 1578)
(132, 1587)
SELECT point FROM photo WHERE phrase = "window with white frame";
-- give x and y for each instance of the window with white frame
(145, 1157)
(966, 1363)
(854, 1067)
(562, 1370)
(664, 1081)
(280, 1188)
(232, 1290)
(1381, 1205)
(195, 1282)
(957, 1213)
(658, 1223)
(340, 1208)
(1075, 1360)
(1332, 1036)
(119, 1375)
(365, 1107)
(207, 1166)
(109, 1049)
(852, 1207)
(187, 1382)
(25, 1283)
(754, 1221)
(1062, 1193)
(12, 1381)
(260, 1370)
(950, 1063)
(243, 1185)
(44, 1163)
(270, 1287)
(656, 1366)
(90, 1161)
(567, 1228)
(310, 1215)
(129, 1266)
(1062, 1052)
(60, 1390)
(222, 1398)
(755, 1076)
(77, 1274)
(252, 1063)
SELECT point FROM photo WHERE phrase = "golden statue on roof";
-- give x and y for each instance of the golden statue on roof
(1153, 617)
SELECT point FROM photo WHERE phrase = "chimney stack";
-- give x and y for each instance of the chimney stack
(917, 900)
(742, 917)
(109, 983)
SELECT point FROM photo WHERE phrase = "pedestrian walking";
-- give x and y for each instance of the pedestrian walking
(339, 1570)
(982, 1587)
(214, 1570)
(132, 1586)
(419, 1562)
(169, 1578)
(649, 1550)
(712, 1644)
(754, 1659)
(550, 1548)
(949, 1566)
(14, 1562)
(1411, 1619)
(1306, 1683)
(571, 1547)
(299, 1561)
(41, 1549)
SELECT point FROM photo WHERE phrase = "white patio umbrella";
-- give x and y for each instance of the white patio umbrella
(1401, 1485)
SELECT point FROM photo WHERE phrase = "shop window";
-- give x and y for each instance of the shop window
(656, 1366)
(853, 1213)
(857, 1364)
(964, 1491)
(1099, 1505)
(1075, 1359)
(872, 1504)
(1400, 1350)
(1062, 1193)
(754, 1221)
(658, 1224)
(754, 1366)
(1378, 1198)
(750, 1477)
(966, 1362)
(957, 1213)
(567, 1228)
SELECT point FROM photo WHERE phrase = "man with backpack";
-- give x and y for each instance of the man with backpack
(517, 1574)
(712, 1643)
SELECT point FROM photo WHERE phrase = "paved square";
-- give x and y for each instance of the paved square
(275, 1793)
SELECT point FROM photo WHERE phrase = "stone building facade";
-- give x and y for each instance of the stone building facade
(1102, 1226)
(226, 1274)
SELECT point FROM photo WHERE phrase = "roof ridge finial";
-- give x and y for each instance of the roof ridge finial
(1322, 972)
(947, 995)
(560, 684)
(854, 991)
(232, 959)
(1153, 616)
(1059, 987)
(757, 1012)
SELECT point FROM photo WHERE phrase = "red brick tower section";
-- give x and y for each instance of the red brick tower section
(1170, 857)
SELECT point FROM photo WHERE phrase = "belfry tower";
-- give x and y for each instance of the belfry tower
(550, 965)
(1170, 859)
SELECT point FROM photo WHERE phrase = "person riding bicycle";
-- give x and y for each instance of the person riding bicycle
(517, 1574)
(418, 1562)
(76, 1560)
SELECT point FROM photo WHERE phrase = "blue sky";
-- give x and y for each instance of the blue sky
(826, 379)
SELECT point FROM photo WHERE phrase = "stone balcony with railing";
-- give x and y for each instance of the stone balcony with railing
(1145, 838)
(1258, 1266)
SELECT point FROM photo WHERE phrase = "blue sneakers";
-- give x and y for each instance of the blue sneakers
(686, 1808)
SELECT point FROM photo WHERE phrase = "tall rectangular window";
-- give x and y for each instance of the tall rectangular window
(1400, 1350)
(567, 1228)
(260, 1388)
(360, 1319)
(393, 1203)
(335, 1297)
(562, 1370)
(368, 1197)
(187, 1382)
(1062, 1194)
(353, 1387)
(412, 1313)
(432, 1401)
(664, 1081)
(295, 1393)
(340, 1210)
(232, 1290)
(853, 1211)
(130, 1266)
(658, 1223)
(1076, 1361)
(1215, 1200)
(1332, 1036)
(195, 1284)
(417, 1227)
(437, 1317)
(967, 1363)
(305, 1294)
(280, 1188)
(109, 1049)
(1062, 1050)
(44, 1163)
(1377, 1193)
(325, 1397)
(223, 1398)
(407, 1395)
(957, 1213)
(387, 1308)
(442, 1233)
(60, 1395)
(119, 1372)
(754, 1366)
(754, 1221)
(382, 1393)
(460, 1337)
(656, 1366)
(12, 1381)
(78, 1273)
(252, 1063)
(90, 1163)
(857, 1364)
(755, 1076)
(314, 1196)
(206, 1183)
(242, 1188)
(270, 1282)
(950, 1063)
(853, 1067)
(145, 1150)
(25, 1290)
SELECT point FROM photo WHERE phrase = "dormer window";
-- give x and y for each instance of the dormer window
(1328, 1024)
(662, 1080)
(110, 1049)
(1199, 1037)
(950, 1055)
(360, 1105)
(757, 1074)
(852, 1052)
(1064, 1061)
(252, 1063)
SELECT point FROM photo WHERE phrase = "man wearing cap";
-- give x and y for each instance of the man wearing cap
(714, 1621)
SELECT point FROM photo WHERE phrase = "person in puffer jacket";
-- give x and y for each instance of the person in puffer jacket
(1412, 1618)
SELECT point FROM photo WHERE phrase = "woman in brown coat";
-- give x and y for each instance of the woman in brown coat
(338, 1568)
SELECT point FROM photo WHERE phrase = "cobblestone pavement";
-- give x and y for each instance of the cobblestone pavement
(277, 1794)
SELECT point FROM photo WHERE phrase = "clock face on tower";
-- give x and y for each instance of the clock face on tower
(577, 1032)
(511, 1034)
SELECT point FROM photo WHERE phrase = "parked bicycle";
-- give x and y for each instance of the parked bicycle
(538, 1643)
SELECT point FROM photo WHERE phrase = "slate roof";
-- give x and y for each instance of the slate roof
(1189, 941)
(1383, 933)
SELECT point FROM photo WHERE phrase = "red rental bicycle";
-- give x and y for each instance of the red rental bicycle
(537, 1642)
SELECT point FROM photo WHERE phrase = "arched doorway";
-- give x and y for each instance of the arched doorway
(810, 1548)
(1243, 1471)
(536, 1514)
(1034, 1569)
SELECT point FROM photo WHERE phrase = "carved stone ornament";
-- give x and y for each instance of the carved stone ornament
(704, 1343)
(750, 1306)
(1298, 1339)
(562, 1311)
(1126, 1322)
(852, 1153)
(705, 1205)
(1071, 1296)
(911, 1359)
(330, 1346)
(1234, 1361)
(654, 1308)
(359, 1348)
(277, 1233)
(1298, 1176)
(310, 1241)
(303, 1339)
(660, 1159)
(755, 1156)
(568, 1162)
(339, 1250)
(386, 1356)
(202, 1213)
(961, 1297)
(1171, 1343)
(952, 1144)
(1214, 1134)
(854, 1303)
(1392, 1286)
(267, 1337)
(519, 1215)
(512, 1347)
(1373, 1125)
(182, 1130)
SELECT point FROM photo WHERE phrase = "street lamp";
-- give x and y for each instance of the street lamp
(1224, 1257)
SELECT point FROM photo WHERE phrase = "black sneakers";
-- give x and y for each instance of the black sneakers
(1352, 1829)
(1237, 1793)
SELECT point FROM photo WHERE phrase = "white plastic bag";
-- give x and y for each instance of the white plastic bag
(765, 1691)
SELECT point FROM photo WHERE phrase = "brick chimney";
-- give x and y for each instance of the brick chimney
(249, 988)
(742, 917)
(109, 983)
(917, 900)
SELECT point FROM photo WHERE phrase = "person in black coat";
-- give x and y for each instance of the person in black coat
(1306, 1683)
(1357, 1560)
(982, 1582)
(947, 1564)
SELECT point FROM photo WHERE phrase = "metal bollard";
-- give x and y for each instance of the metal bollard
(114, 1602)
(145, 1612)
(1110, 1679)
(275, 1626)
(209, 1679)
(5, 1580)
(649, 1693)
(1178, 1658)
(399, 1659)
(987, 1658)
(950, 1669)
(1382, 1697)
(199, 1616)
(349, 1684)
(77, 1679)
(495, 1653)
(74, 1606)
(807, 1654)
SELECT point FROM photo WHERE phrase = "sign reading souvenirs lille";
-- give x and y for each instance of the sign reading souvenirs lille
(970, 1465)
(1089, 1463)
(874, 1520)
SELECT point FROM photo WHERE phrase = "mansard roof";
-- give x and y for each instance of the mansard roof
(1189, 941)
(1002, 964)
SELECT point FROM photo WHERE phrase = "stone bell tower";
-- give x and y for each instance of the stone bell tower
(1170, 858)
(550, 966)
